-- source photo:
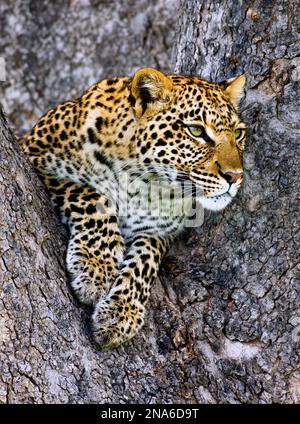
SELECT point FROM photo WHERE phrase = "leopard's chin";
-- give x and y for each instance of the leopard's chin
(216, 203)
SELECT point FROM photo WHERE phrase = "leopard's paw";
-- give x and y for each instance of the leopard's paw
(116, 320)
(88, 278)
(87, 288)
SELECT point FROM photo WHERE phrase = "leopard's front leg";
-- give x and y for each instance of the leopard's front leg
(96, 246)
(120, 315)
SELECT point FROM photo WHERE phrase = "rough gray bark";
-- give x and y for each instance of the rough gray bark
(46, 352)
(54, 50)
(223, 321)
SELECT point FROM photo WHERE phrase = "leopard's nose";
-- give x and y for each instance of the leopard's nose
(232, 177)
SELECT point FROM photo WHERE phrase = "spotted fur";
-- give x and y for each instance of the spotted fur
(95, 153)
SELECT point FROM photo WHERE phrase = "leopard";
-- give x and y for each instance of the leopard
(124, 166)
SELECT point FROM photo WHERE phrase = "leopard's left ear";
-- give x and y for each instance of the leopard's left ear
(151, 91)
(234, 88)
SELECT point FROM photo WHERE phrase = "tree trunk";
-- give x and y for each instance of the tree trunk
(223, 322)
(246, 259)
(47, 354)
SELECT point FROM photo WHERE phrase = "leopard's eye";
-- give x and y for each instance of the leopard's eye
(239, 133)
(196, 131)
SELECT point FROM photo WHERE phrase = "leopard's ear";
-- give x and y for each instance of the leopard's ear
(234, 88)
(151, 91)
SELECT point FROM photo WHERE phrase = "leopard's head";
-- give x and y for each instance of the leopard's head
(191, 125)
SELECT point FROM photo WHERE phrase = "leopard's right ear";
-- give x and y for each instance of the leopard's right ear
(151, 91)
